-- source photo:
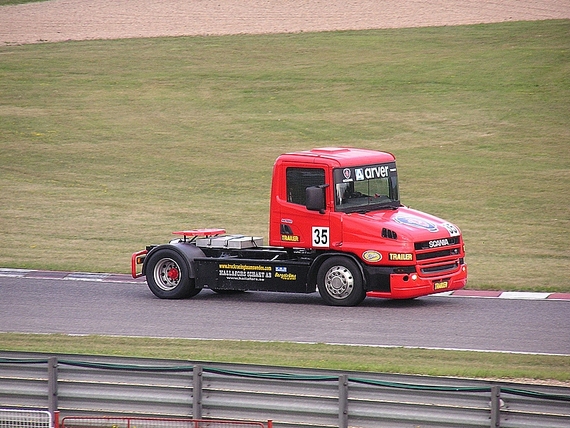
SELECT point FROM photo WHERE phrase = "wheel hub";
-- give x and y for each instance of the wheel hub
(339, 282)
(173, 274)
(167, 274)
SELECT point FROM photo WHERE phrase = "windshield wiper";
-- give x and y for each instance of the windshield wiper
(392, 205)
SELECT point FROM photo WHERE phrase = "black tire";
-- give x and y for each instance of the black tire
(340, 282)
(167, 275)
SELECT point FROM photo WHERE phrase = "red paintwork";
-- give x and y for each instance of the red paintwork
(134, 263)
(421, 287)
(200, 232)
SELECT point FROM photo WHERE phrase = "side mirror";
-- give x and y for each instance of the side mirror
(315, 198)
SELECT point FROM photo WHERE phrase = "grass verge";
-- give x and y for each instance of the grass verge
(465, 364)
(7, 2)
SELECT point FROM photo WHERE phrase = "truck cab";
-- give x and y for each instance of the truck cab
(346, 200)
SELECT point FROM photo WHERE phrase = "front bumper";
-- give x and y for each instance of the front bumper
(409, 286)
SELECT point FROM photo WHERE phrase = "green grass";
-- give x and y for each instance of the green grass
(7, 2)
(107, 146)
(322, 356)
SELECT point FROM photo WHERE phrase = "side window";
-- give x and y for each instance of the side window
(298, 179)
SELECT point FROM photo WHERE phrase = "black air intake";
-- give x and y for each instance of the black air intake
(387, 233)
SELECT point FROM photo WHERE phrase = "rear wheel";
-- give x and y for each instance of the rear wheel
(340, 282)
(167, 275)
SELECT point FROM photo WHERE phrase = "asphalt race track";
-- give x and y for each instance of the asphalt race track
(104, 307)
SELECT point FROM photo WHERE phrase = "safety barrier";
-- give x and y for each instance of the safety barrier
(25, 418)
(80, 385)
(134, 422)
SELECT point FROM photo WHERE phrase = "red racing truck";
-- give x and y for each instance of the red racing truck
(336, 225)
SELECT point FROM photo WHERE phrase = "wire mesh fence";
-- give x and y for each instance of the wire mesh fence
(134, 422)
(25, 419)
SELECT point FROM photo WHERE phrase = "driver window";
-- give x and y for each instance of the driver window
(298, 179)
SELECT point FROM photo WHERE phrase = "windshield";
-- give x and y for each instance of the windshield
(366, 188)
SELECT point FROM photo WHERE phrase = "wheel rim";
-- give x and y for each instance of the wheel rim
(167, 274)
(339, 282)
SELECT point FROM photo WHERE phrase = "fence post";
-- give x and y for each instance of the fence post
(197, 392)
(495, 406)
(343, 401)
(52, 385)
(56, 419)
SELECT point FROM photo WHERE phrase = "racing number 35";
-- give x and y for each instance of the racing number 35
(320, 236)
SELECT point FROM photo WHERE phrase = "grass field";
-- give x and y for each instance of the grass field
(107, 146)
(7, 2)
(488, 365)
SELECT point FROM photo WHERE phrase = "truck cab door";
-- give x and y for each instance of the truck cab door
(300, 227)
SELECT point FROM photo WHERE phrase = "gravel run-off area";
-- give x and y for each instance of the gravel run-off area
(61, 20)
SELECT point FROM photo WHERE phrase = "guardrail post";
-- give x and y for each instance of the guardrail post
(495, 406)
(52, 385)
(197, 392)
(343, 401)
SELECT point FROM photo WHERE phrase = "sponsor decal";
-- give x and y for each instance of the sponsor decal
(441, 285)
(286, 276)
(243, 272)
(371, 256)
(416, 222)
(452, 229)
(280, 269)
(380, 171)
(399, 257)
(346, 173)
(290, 238)
(438, 243)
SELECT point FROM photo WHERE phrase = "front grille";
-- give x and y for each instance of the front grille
(437, 254)
(439, 269)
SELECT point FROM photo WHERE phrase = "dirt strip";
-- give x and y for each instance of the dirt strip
(60, 20)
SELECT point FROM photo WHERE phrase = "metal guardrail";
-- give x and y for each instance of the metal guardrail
(93, 385)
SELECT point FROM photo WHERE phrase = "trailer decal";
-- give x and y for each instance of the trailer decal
(290, 238)
(401, 257)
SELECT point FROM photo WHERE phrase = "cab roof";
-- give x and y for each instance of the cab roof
(339, 156)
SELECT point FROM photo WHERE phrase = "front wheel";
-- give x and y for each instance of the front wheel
(167, 275)
(340, 282)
